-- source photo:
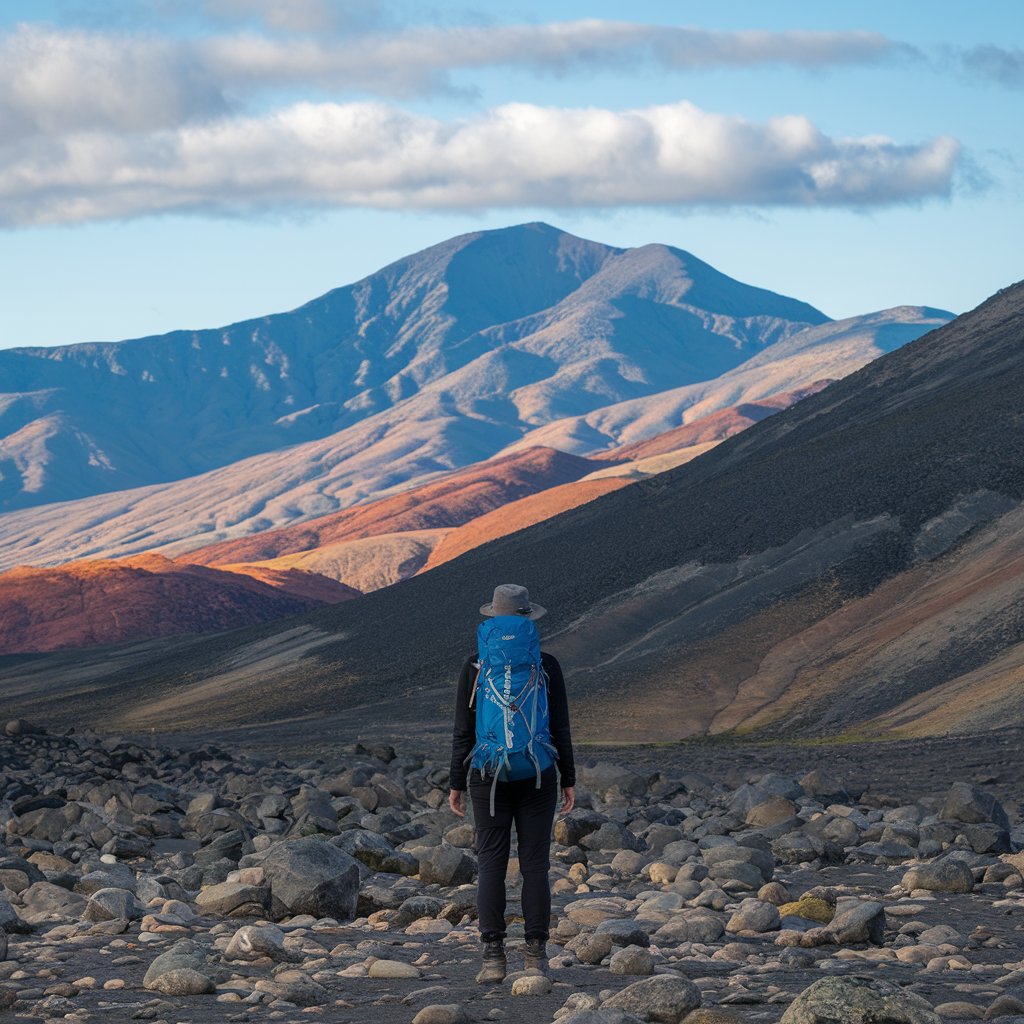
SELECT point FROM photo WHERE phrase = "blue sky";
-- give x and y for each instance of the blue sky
(191, 163)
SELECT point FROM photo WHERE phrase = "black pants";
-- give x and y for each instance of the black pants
(533, 811)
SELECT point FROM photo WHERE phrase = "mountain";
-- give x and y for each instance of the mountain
(829, 351)
(454, 499)
(94, 602)
(414, 442)
(525, 323)
(847, 565)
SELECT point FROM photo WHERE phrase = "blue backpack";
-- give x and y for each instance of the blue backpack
(513, 734)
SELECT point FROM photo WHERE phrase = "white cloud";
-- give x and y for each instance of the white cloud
(295, 15)
(54, 80)
(517, 155)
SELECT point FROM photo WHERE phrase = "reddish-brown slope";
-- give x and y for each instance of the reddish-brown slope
(519, 514)
(718, 426)
(102, 601)
(452, 500)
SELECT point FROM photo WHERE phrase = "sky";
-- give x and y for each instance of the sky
(170, 164)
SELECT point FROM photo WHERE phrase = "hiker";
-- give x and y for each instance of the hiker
(511, 734)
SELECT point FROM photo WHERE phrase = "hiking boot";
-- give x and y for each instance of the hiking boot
(535, 955)
(493, 967)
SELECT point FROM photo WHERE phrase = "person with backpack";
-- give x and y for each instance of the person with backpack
(513, 747)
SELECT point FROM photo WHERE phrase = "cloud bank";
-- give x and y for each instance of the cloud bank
(57, 79)
(378, 156)
(97, 125)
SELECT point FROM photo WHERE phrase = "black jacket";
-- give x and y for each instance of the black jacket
(464, 735)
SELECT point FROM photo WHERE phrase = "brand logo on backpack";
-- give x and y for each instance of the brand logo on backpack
(512, 722)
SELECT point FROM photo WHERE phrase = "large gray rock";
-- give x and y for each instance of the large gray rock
(295, 987)
(754, 916)
(376, 852)
(602, 1015)
(9, 919)
(623, 932)
(44, 901)
(692, 925)
(611, 836)
(234, 899)
(446, 865)
(664, 999)
(632, 960)
(310, 876)
(946, 875)
(111, 905)
(858, 1001)
(965, 802)
(858, 921)
(571, 828)
(182, 971)
(254, 941)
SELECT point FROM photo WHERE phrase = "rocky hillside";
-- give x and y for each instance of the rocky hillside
(450, 422)
(141, 881)
(670, 599)
(103, 601)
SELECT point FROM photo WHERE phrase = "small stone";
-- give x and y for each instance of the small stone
(531, 985)
(392, 969)
(442, 1013)
(632, 960)
(960, 1011)
(1005, 1006)
(180, 981)
(590, 948)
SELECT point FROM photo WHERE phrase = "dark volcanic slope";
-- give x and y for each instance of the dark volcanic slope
(668, 595)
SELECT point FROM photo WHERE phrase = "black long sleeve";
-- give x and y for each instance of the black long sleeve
(464, 733)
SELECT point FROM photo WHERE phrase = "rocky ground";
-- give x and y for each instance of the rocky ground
(144, 882)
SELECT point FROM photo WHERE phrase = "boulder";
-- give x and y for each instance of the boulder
(252, 942)
(857, 921)
(946, 875)
(623, 932)
(294, 987)
(571, 828)
(965, 802)
(664, 999)
(442, 1013)
(446, 865)
(858, 1001)
(632, 960)
(182, 971)
(310, 876)
(234, 899)
(692, 925)
(754, 916)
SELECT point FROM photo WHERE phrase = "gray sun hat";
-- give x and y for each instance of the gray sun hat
(512, 599)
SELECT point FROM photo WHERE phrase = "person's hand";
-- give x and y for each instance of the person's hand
(456, 801)
(568, 799)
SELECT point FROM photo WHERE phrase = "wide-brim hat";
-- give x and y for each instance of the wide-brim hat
(512, 599)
